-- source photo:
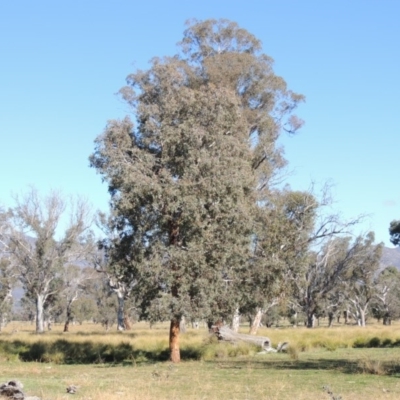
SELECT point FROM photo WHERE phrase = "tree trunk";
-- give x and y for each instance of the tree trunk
(175, 354)
(68, 319)
(235, 321)
(294, 320)
(360, 315)
(182, 325)
(195, 324)
(121, 311)
(39, 313)
(310, 319)
(3, 321)
(255, 324)
(226, 334)
(387, 320)
(330, 319)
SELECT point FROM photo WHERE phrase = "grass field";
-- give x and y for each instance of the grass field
(133, 365)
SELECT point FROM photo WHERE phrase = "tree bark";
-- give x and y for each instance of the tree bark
(39, 313)
(226, 334)
(195, 324)
(346, 317)
(182, 325)
(235, 321)
(361, 317)
(294, 320)
(68, 319)
(255, 324)
(330, 319)
(175, 354)
(121, 311)
(310, 319)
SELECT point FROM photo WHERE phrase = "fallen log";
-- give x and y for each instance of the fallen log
(227, 334)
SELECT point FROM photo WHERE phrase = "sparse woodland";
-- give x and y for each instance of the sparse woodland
(201, 227)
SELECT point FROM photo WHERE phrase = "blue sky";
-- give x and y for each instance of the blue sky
(63, 61)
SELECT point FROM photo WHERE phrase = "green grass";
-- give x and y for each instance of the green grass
(130, 364)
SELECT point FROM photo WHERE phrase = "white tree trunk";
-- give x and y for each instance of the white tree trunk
(224, 333)
(255, 323)
(310, 319)
(39, 313)
(121, 311)
(182, 325)
(360, 313)
(361, 316)
(235, 321)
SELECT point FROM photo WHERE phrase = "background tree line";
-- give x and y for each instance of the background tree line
(341, 277)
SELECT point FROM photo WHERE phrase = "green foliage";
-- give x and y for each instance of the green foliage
(7, 281)
(387, 342)
(375, 342)
(88, 352)
(386, 303)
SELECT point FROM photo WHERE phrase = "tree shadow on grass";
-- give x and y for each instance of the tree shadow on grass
(69, 352)
(343, 365)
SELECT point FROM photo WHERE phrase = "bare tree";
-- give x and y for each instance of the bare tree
(359, 283)
(39, 257)
(7, 275)
(119, 285)
(7, 279)
(75, 281)
(386, 304)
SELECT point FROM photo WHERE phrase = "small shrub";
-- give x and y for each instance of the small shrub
(303, 346)
(242, 349)
(55, 358)
(360, 343)
(212, 351)
(140, 357)
(210, 339)
(293, 353)
(387, 343)
(374, 342)
(373, 367)
(330, 345)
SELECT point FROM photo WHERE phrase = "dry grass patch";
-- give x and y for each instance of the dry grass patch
(222, 370)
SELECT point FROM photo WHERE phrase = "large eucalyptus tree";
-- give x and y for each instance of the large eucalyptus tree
(187, 180)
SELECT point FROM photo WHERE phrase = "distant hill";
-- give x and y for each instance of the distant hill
(390, 257)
